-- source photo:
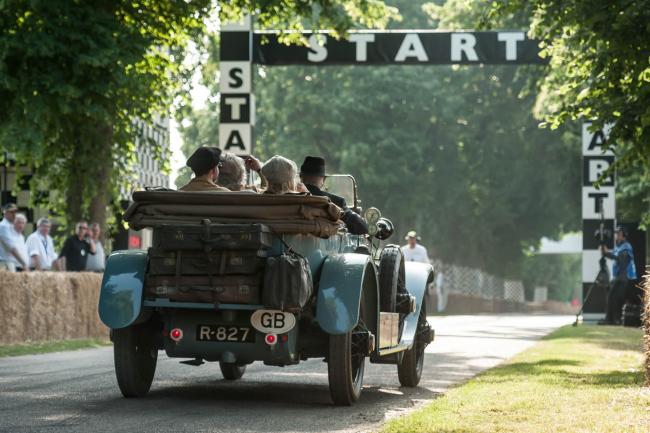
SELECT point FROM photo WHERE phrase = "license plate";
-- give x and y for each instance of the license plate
(225, 333)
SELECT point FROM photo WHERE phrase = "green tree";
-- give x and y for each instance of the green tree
(560, 273)
(599, 70)
(75, 76)
(453, 152)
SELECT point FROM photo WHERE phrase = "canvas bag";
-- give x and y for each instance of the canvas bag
(287, 281)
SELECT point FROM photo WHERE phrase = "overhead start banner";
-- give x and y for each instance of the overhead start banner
(240, 46)
(412, 47)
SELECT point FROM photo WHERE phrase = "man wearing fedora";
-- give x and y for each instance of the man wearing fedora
(414, 252)
(312, 174)
(205, 163)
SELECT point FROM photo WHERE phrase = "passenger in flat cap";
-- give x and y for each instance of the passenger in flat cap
(205, 163)
(312, 174)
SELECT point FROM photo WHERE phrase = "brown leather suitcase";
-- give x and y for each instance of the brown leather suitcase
(212, 237)
(230, 289)
(244, 262)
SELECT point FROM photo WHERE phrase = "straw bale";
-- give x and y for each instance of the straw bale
(40, 306)
(646, 324)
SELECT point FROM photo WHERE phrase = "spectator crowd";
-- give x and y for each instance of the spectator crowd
(82, 251)
(213, 171)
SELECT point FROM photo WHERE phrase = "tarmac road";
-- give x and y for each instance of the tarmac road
(77, 391)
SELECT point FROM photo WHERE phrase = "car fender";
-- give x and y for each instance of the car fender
(120, 298)
(418, 276)
(342, 281)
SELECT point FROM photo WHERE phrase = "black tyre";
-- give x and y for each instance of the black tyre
(409, 371)
(231, 371)
(135, 359)
(391, 277)
(346, 363)
(345, 370)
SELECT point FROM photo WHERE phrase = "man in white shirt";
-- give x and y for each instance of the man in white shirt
(40, 246)
(97, 261)
(8, 214)
(19, 256)
(413, 252)
(12, 257)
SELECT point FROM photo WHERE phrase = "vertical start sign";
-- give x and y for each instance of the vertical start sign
(596, 203)
(237, 107)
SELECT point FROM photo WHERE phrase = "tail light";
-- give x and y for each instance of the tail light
(176, 334)
(271, 339)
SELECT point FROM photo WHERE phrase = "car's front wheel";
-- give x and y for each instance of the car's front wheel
(409, 371)
(135, 358)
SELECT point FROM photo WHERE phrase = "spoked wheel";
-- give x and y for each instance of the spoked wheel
(346, 363)
(231, 371)
(409, 370)
(135, 359)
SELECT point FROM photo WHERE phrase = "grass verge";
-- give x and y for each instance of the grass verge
(576, 380)
(50, 346)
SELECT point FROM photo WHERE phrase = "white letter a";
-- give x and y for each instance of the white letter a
(411, 47)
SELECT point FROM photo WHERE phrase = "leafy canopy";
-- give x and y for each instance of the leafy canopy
(76, 75)
(452, 152)
(599, 70)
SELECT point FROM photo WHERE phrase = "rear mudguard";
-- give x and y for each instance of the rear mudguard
(120, 299)
(418, 276)
(343, 279)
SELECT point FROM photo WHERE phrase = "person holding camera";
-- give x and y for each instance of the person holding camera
(76, 249)
(623, 272)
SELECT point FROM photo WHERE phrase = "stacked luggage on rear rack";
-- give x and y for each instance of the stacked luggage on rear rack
(208, 263)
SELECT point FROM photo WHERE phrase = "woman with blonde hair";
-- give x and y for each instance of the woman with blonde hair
(281, 176)
(232, 174)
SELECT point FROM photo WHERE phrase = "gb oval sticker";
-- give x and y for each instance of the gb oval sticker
(273, 321)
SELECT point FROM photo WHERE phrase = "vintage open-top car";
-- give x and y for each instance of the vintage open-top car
(243, 277)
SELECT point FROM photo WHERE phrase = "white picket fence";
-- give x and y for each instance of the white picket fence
(477, 283)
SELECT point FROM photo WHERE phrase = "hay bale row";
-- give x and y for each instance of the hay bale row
(41, 306)
(646, 325)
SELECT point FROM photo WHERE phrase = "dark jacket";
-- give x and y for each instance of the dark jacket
(355, 224)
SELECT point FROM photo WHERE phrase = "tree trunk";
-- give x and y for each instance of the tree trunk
(75, 191)
(100, 200)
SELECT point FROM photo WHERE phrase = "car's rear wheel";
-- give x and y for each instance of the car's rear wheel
(409, 371)
(346, 363)
(231, 371)
(391, 277)
(135, 357)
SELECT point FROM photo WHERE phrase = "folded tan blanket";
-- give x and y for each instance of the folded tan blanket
(289, 214)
